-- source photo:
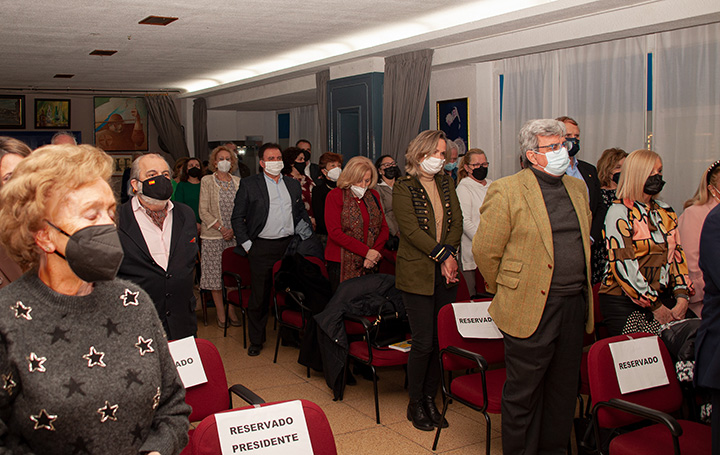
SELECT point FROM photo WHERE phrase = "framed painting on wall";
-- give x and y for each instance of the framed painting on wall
(121, 161)
(12, 111)
(453, 119)
(53, 114)
(121, 123)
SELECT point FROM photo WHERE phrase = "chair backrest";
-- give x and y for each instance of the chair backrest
(493, 350)
(280, 294)
(240, 265)
(320, 263)
(604, 384)
(463, 294)
(205, 439)
(212, 396)
(479, 282)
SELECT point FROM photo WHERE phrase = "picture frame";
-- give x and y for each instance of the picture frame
(121, 161)
(453, 118)
(121, 123)
(12, 111)
(52, 114)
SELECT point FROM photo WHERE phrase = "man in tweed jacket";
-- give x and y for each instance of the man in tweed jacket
(529, 220)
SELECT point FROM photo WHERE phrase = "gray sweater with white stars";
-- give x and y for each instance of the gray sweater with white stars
(86, 374)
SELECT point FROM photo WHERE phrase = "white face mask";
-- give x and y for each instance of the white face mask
(358, 191)
(334, 174)
(224, 166)
(557, 162)
(432, 165)
(274, 167)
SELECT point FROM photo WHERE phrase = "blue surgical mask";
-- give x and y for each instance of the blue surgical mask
(451, 166)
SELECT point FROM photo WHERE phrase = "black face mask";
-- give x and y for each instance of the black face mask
(480, 173)
(575, 149)
(392, 172)
(300, 167)
(158, 187)
(194, 172)
(654, 184)
(94, 253)
(616, 177)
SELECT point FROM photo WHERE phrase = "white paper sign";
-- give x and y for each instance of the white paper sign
(276, 429)
(638, 364)
(473, 320)
(187, 361)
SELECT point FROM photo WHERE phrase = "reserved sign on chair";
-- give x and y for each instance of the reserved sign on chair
(474, 321)
(275, 429)
(638, 364)
(187, 361)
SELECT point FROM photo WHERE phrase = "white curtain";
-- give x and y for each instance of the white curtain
(687, 110)
(527, 94)
(603, 87)
(304, 125)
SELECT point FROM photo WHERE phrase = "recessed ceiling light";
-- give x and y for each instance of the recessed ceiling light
(63, 76)
(157, 20)
(102, 52)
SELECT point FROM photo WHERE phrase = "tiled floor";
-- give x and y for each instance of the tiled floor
(353, 419)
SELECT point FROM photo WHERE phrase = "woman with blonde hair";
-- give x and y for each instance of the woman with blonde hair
(431, 224)
(647, 284)
(471, 190)
(217, 200)
(355, 223)
(691, 222)
(83, 355)
(608, 167)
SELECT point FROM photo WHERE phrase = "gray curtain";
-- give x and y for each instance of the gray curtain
(406, 83)
(164, 115)
(200, 136)
(321, 82)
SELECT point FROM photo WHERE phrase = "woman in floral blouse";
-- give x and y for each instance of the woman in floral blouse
(647, 283)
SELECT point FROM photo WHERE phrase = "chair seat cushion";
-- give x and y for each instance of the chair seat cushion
(381, 357)
(293, 318)
(355, 328)
(233, 297)
(657, 440)
(469, 388)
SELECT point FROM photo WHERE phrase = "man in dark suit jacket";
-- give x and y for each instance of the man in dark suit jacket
(268, 211)
(159, 239)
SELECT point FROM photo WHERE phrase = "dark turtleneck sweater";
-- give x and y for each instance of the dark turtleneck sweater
(569, 269)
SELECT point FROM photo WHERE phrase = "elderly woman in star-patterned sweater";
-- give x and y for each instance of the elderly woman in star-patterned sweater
(84, 363)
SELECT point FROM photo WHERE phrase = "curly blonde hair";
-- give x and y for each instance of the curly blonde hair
(47, 175)
(355, 170)
(213, 156)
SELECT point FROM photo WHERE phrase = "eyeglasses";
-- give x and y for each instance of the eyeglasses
(387, 165)
(556, 147)
(475, 166)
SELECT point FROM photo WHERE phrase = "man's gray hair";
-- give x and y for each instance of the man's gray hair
(63, 133)
(528, 136)
(135, 170)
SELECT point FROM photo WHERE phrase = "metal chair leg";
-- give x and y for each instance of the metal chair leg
(375, 389)
(446, 403)
(277, 345)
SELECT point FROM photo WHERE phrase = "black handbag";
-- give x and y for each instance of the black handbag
(388, 327)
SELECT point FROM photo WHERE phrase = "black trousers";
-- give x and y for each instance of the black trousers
(423, 367)
(539, 395)
(262, 256)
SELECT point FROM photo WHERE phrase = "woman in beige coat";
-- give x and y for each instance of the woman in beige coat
(217, 199)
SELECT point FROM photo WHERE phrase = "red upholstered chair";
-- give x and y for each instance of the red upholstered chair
(236, 286)
(463, 294)
(482, 390)
(206, 441)
(615, 410)
(364, 352)
(287, 316)
(214, 395)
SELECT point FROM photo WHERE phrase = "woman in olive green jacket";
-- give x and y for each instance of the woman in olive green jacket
(430, 220)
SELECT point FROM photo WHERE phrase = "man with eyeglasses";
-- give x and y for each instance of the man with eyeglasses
(532, 247)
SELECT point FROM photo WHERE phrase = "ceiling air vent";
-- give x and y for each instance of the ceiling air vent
(63, 76)
(102, 52)
(157, 20)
